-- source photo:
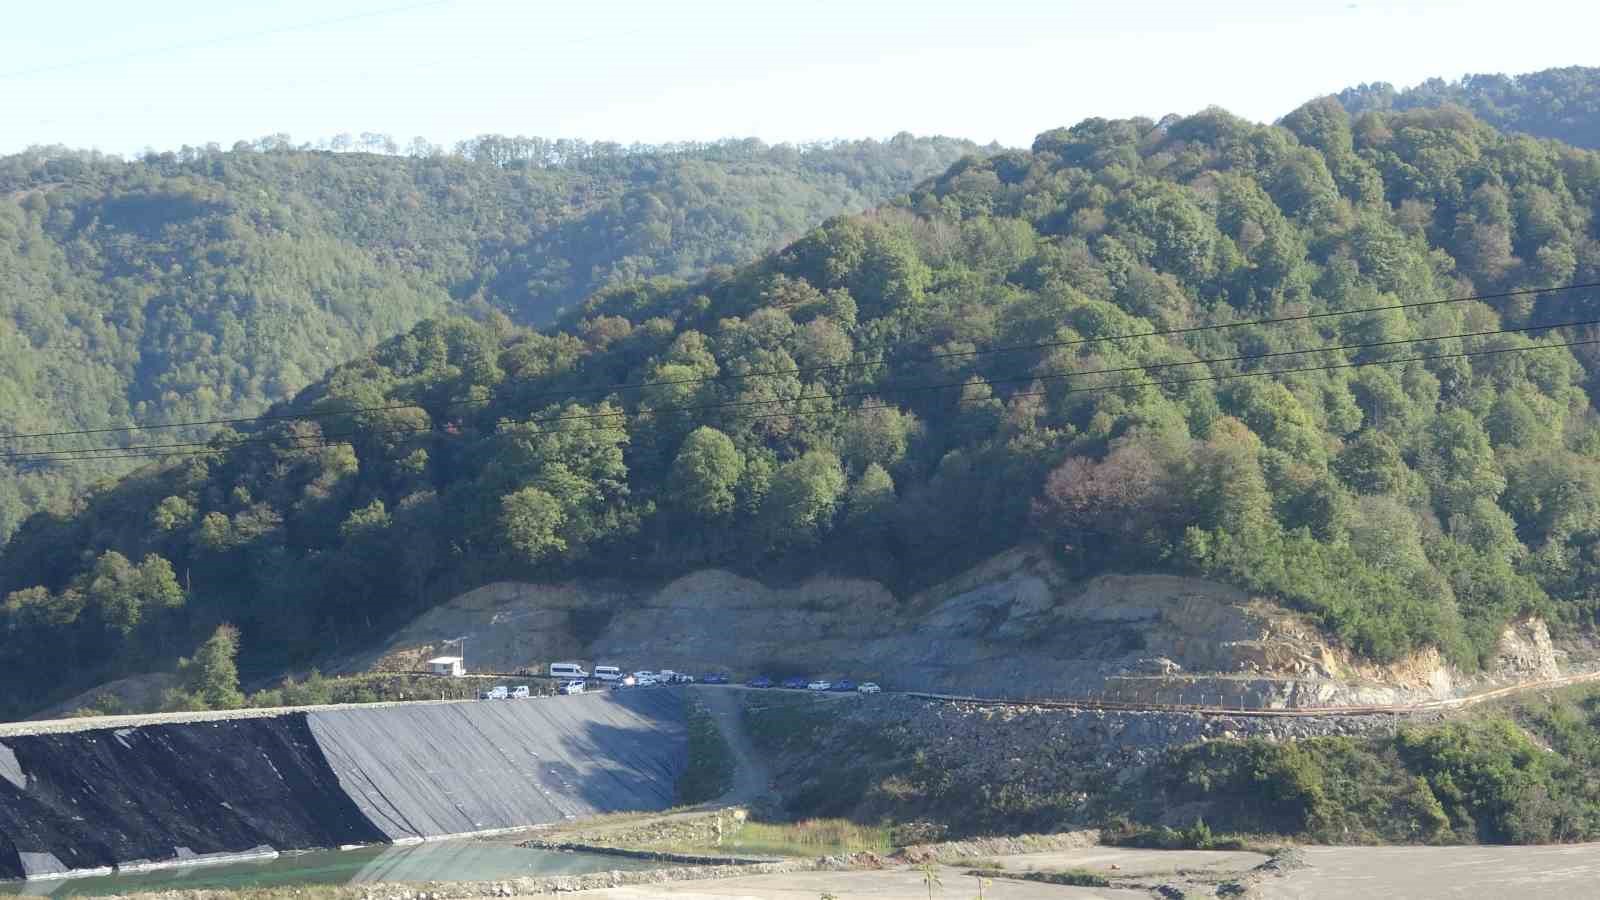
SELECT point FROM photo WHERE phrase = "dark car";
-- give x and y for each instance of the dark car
(715, 678)
(760, 681)
(797, 683)
(843, 684)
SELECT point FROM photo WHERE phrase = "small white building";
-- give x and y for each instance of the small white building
(447, 665)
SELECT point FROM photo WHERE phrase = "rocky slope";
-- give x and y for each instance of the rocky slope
(1014, 626)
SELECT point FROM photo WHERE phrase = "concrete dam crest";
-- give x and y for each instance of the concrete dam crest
(100, 799)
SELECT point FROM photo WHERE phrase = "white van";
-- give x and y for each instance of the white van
(520, 692)
(608, 673)
(498, 692)
(572, 687)
(567, 670)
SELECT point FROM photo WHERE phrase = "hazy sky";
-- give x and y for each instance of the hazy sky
(122, 76)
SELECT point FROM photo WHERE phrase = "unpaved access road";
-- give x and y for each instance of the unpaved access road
(894, 884)
(1441, 873)
(1127, 862)
(752, 780)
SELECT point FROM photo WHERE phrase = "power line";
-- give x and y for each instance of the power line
(1084, 390)
(49, 456)
(624, 386)
(991, 380)
(1050, 376)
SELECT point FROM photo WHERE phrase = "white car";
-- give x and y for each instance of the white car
(572, 687)
(644, 677)
(819, 685)
(868, 687)
(495, 693)
(520, 692)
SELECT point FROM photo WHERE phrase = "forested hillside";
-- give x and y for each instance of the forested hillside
(901, 393)
(1556, 103)
(205, 284)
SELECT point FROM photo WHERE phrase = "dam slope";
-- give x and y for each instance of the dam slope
(466, 767)
(77, 798)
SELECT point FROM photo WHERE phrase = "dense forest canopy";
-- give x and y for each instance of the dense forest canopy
(207, 283)
(1556, 103)
(844, 404)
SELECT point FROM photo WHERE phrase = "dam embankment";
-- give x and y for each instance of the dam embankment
(86, 799)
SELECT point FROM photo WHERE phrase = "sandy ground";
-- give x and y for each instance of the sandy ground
(900, 884)
(1132, 862)
(1441, 873)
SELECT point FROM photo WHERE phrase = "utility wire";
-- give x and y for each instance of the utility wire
(58, 455)
(991, 380)
(1084, 390)
(624, 386)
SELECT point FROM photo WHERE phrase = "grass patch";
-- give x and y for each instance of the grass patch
(1070, 877)
(808, 839)
(710, 771)
(1196, 837)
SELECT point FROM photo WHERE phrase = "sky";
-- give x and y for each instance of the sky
(122, 77)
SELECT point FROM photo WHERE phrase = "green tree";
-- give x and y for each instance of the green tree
(799, 508)
(1372, 464)
(531, 520)
(705, 474)
(1457, 462)
(212, 676)
(869, 500)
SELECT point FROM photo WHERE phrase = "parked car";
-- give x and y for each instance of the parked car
(520, 692)
(844, 684)
(760, 681)
(608, 673)
(572, 687)
(868, 687)
(626, 681)
(645, 677)
(795, 684)
(819, 685)
(495, 693)
(715, 678)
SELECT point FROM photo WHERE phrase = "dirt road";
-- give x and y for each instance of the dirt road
(895, 884)
(752, 779)
(1441, 873)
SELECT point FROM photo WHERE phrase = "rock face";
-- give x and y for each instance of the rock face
(1525, 651)
(1015, 626)
(102, 798)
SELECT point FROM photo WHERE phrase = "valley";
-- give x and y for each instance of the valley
(1186, 505)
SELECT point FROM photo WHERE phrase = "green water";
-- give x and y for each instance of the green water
(438, 861)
